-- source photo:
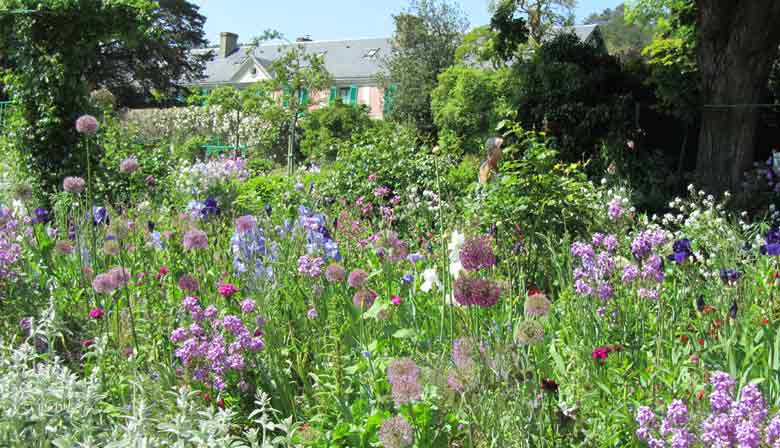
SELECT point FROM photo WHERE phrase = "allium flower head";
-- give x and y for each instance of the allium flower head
(104, 283)
(188, 283)
(310, 266)
(73, 185)
(404, 375)
(364, 299)
(195, 239)
(476, 291)
(465, 351)
(357, 278)
(396, 432)
(335, 273)
(529, 332)
(128, 165)
(477, 253)
(537, 305)
(87, 124)
(63, 247)
(247, 305)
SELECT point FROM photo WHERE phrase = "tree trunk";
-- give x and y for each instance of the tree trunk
(737, 43)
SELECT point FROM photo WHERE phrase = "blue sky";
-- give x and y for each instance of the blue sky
(332, 19)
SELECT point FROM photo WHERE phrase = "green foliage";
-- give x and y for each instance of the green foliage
(541, 16)
(577, 93)
(118, 142)
(276, 190)
(324, 128)
(427, 38)
(53, 58)
(535, 190)
(622, 37)
(467, 104)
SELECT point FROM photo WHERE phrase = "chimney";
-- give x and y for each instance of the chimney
(228, 43)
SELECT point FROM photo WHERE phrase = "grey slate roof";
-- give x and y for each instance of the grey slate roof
(583, 32)
(346, 60)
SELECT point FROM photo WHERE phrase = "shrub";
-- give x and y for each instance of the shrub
(324, 128)
(467, 104)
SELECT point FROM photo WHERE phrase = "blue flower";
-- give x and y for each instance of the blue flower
(414, 257)
(41, 216)
(407, 279)
(157, 241)
(772, 246)
(729, 275)
(681, 250)
(99, 215)
(210, 207)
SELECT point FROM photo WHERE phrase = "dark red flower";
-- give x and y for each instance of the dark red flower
(221, 403)
(87, 343)
(549, 385)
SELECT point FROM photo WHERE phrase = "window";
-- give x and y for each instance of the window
(371, 53)
(344, 94)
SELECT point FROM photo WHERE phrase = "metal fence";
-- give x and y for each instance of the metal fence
(4, 111)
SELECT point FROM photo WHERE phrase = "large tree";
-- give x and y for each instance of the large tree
(736, 46)
(55, 52)
(426, 39)
(541, 16)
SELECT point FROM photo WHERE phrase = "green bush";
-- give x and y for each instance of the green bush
(467, 105)
(118, 142)
(534, 190)
(324, 129)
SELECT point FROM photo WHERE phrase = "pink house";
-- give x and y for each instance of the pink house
(353, 65)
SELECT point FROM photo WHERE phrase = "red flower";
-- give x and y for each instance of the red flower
(96, 313)
(87, 343)
(396, 300)
(221, 403)
(684, 339)
(206, 396)
(534, 291)
(600, 353)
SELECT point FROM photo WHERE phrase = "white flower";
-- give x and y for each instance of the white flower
(430, 279)
(457, 241)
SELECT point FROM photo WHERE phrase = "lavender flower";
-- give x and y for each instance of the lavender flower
(396, 433)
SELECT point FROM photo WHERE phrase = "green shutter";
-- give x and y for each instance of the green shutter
(286, 97)
(388, 99)
(334, 93)
(303, 96)
(353, 95)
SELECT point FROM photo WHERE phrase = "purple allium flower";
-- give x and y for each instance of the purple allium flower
(357, 278)
(464, 352)
(195, 239)
(477, 253)
(247, 305)
(188, 283)
(312, 313)
(63, 247)
(597, 239)
(73, 185)
(404, 375)
(104, 283)
(310, 266)
(335, 273)
(615, 209)
(128, 165)
(396, 432)
(87, 124)
(476, 291)
(364, 298)
(150, 181)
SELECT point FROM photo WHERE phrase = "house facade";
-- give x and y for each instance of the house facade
(353, 65)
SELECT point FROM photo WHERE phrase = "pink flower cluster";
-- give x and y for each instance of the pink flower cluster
(110, 281)
(211, 348)
(10, 250)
